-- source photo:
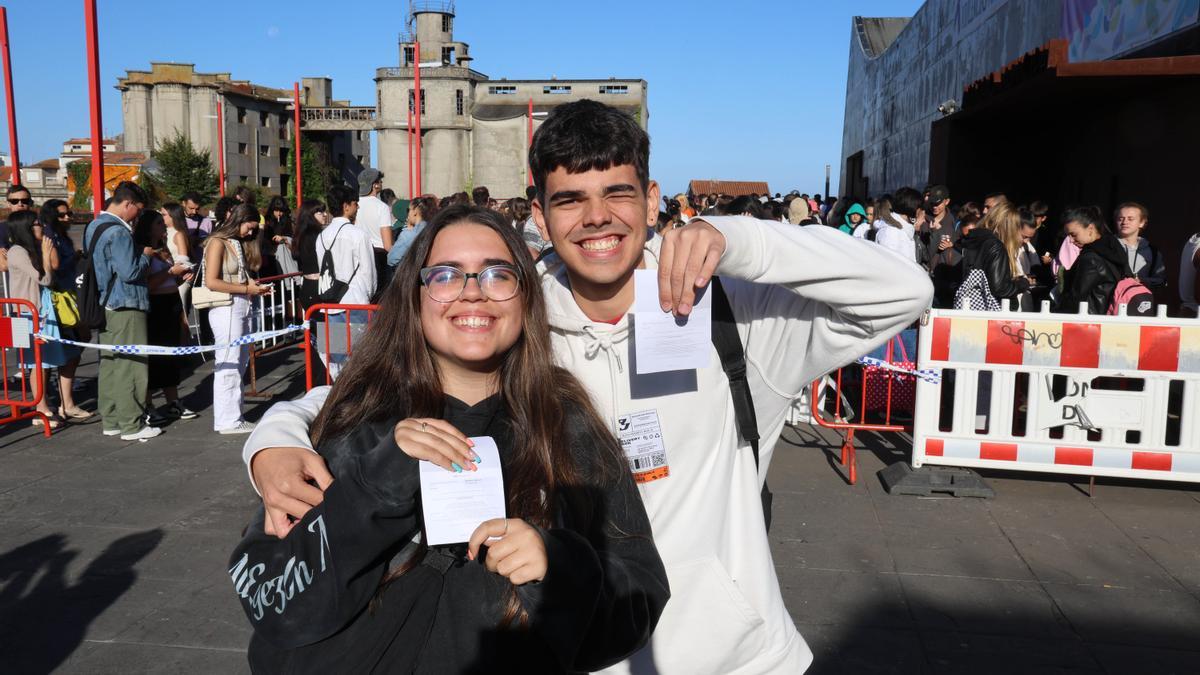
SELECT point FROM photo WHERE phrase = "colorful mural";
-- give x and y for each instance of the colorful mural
(1103, 29)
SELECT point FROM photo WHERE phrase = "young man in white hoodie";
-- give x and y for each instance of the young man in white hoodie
(805, 300)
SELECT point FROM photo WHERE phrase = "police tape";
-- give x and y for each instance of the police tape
(158, 350)
(931, 376)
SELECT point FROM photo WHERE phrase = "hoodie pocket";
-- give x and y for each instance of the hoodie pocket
(708, 626)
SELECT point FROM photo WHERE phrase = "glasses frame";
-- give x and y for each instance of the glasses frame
(467, 276)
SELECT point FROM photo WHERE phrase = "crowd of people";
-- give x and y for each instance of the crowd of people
(511, 320)
(992, 254)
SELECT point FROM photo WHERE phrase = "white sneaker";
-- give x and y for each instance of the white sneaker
(242, 427)
(143, 434)
(112, 432)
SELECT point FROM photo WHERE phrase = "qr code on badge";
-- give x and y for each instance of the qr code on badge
(648, 462)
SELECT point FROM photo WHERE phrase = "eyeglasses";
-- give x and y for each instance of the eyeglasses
(26, 201)
(445, 284)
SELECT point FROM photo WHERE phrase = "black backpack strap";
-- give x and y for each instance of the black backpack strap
(89, 249)
(728, 342)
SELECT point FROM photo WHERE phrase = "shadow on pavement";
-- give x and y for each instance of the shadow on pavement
(43, 615)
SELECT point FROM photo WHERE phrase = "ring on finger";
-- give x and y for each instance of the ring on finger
(424, 426)
(505, 533)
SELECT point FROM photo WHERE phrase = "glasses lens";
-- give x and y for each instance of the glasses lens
(444, 284)
(499, 283)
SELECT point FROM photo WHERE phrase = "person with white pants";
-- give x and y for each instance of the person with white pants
(230, 252)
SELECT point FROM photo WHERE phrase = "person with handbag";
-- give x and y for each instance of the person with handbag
(32, 260)
(165, 323)
(309, 223)
(55, 217)
(230, 254)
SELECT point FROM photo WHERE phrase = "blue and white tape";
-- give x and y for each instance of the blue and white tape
(157, 350)
(931, 376)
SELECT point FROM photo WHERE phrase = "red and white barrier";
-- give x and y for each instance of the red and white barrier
(1074, 394)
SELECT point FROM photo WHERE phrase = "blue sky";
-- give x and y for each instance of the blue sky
(750, 90)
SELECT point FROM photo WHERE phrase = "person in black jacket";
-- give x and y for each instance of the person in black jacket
(1102, 262)
(569, 582)
(992, 247)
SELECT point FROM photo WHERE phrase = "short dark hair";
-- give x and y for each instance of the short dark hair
(906, 201)
(221, 210)
(1039, 208)
(338, 197)
(586, 136)
(530, 193)
(387, 196)
(1027, 219)
(17, 187)
(1085, 215)
(245, 195)
(995, 195)
(128, 191)
(191, 197)
(481, 196)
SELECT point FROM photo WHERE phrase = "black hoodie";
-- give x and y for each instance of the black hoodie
(1094, 276)
(310, 596)
(982, 249)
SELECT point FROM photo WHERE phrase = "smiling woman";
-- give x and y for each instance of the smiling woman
(569, 581)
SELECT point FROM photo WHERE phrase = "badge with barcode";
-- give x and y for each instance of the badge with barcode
(642, 440)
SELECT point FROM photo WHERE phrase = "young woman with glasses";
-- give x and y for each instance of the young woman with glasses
(569, 581)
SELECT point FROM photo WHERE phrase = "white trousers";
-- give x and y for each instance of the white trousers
(229, 364)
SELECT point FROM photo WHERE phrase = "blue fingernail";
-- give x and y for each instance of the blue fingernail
(456, 467)
(478, 460)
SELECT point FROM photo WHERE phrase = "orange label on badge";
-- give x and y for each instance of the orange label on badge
(642, 440)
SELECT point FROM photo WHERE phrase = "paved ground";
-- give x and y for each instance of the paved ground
(112, 559)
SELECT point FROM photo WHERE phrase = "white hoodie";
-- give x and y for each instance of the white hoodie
(807, 300)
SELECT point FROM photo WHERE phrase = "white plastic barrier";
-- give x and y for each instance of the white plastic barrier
(1083, 394)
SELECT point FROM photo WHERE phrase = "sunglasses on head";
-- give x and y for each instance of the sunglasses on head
(26, 201)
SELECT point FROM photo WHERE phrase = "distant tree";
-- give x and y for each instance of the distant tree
(184, 169)
(318, 174)
(80, 172)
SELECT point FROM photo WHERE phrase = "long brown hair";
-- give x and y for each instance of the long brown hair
(393, 376)
(1005, 222)
(229, 230)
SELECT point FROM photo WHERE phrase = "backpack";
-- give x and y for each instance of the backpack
(91, 305)
(1138, 299)
(334, 287)
(729, 347)
(975, 293)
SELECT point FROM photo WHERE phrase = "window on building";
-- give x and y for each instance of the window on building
(241, 115)
(410, 100)
(447, 23)
(502, 89)
(262, 119)
(283, 157)
(264, 150)
(447, 56)
(359, 159)
(458, 102)
(614, 89)
(264, 181)
(241, 180)
(408, 56)
(283, 132)
(243, 149)
(285, 180)
(556, 89)
(361, 134)
(341, 160)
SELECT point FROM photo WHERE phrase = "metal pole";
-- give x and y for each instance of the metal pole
(8, 94)
(296, 134)
(221, 141)
(528, 171)
(408, 132)
(93, 55)
(417, 113)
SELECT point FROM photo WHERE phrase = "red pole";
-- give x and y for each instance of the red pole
(8, 93)
(529, 172)
(93, 55)
(408, 130)
(417, 113)
(296, 133)
(221, 141)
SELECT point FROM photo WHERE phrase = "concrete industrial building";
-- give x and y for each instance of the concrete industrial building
(258, 121)
(474, 130)
(1068, 101)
